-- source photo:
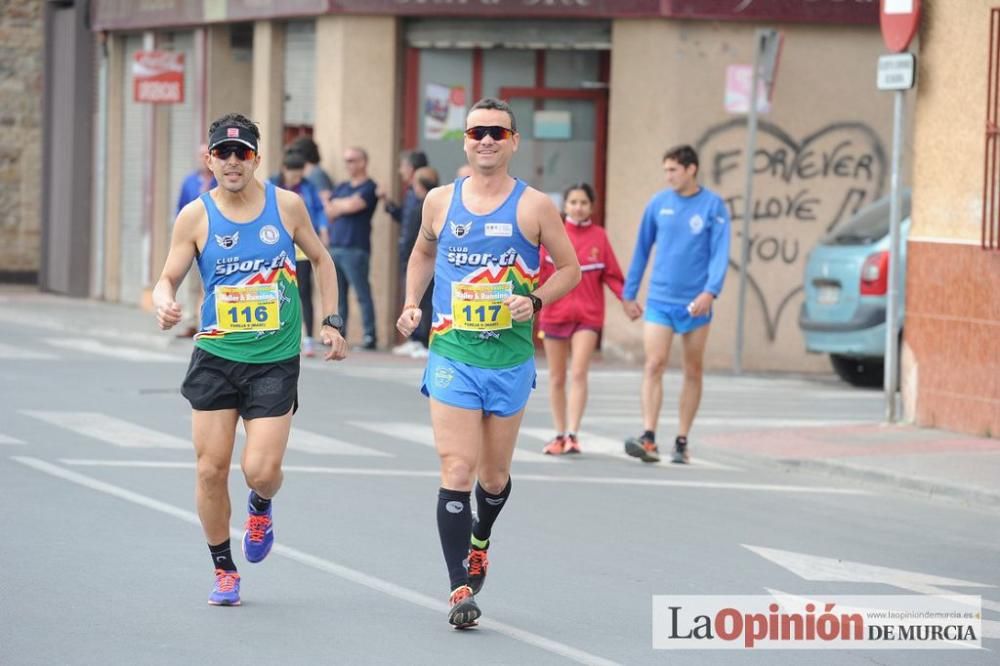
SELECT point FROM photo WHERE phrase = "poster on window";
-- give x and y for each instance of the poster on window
(444, 111)
(158, 77)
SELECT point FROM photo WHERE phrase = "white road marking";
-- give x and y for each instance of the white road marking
(12, 353)
(736, 421)
(7, 439)
(100, 348)
(591, 443)
(109, 429)
(814, 567)
(541, 478)
(129, 435)
(828, 569)
(311, 442)
(324, 565)
(59, 325)
(424, 434)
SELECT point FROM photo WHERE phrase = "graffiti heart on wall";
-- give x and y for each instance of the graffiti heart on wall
(802, 189)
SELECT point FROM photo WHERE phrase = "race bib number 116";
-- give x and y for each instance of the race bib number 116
(247, 307)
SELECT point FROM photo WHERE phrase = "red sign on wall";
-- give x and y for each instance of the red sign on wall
(899, 20)
(158, 77)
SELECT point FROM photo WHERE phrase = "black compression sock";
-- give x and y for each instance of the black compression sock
(487, 509)
(222, 556)
(454, 520)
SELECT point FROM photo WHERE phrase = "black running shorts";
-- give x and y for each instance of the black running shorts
(255, 389)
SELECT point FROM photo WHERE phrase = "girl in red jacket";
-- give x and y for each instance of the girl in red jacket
(571, 326)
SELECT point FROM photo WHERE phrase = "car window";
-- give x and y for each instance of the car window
(870, 225)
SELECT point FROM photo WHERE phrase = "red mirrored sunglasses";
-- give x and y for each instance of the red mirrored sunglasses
(225, 150)
(496, 132)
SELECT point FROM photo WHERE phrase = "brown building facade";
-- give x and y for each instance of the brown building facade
(21, 33)
(951, 355)
(600, 88)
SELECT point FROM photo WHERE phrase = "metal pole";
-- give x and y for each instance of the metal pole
(759, 37)
(892, 307)
(97, 281)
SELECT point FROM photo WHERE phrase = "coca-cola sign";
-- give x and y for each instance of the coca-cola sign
(158, 77)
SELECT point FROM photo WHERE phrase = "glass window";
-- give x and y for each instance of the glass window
(443, 101)
(571, 69)
(870, 225)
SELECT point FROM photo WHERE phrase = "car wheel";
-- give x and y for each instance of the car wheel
(865, 372)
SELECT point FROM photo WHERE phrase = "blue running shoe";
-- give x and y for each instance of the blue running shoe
(227, 589)
(259, 535)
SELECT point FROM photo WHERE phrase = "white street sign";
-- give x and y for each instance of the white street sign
(896, 71)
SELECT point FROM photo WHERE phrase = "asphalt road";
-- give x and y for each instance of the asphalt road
(104, 562)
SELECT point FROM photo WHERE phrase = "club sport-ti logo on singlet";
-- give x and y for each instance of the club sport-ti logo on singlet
(460, 256)
(234, 264)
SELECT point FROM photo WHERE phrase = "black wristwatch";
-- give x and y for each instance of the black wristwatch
(334, 321)
(536, 303)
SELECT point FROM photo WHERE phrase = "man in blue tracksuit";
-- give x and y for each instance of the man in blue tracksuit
(689, 225)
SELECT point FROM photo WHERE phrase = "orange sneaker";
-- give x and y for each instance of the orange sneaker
(571, 445)
(464, 611)
(479, 562)
(555, 446)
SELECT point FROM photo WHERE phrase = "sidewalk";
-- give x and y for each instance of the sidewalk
(932, 462)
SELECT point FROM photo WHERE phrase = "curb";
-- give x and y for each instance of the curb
(970, 494)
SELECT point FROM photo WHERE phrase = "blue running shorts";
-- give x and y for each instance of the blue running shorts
(494, 391)
(674, 316)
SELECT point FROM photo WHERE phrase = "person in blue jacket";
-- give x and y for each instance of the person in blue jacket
(292, 177)
(689, 226)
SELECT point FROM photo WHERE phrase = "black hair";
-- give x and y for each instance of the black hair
(494, 104)
(427, 177)
(683, 155)
(294, 160)
(415, 158)
(583, 187)
(307, 147)
(237, 119)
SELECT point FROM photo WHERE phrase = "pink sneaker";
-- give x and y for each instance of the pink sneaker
(571, 445)
(555, 447)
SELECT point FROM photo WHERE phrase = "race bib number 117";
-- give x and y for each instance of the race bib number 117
(480, 307)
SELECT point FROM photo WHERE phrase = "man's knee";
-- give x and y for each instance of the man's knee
(212, 473)
(457, 473)
(261, 473)
(494, 480)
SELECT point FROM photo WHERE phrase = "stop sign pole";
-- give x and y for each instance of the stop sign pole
(899, 20)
